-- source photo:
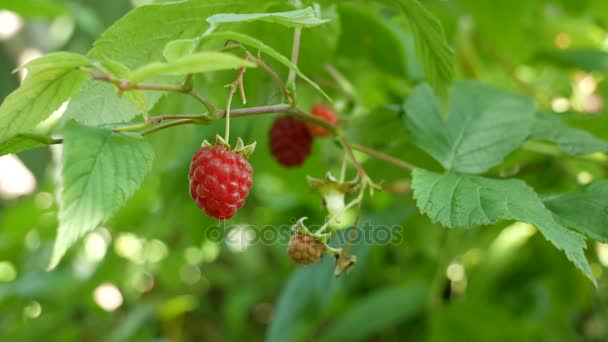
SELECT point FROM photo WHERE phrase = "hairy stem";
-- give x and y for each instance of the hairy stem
(295, 52)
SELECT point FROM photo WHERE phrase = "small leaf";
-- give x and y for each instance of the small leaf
(306, 17)
(371, 315)
(585, 210)
(101, 169)
(51, 80)
(457, 200)
(198, 62)
(431, 46)
(24, 141)
(571, 140)
(483, 125)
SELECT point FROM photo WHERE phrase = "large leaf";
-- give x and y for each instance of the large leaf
(101, 169)
(306, 17)
(51, 80)
(182, 47)
(195, 63)
(98, 103)
(139, 37)
(571, 140)
(457, 200)
(382, 309)
(585, 210)
(483, 125)
(431, 46)
(24, 141)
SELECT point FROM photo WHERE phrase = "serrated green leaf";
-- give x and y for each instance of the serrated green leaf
(98, 103)
(119, 70)
(51, 80)
(585, 210)
(195, 63)
(306, 17)
(101, 169)
(571, 140)
(24, 141)
(173, 49)
(432, 48)
(371, 314)
(457, 200)
(483, 125)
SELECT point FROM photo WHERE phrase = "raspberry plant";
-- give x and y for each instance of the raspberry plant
(367, 113)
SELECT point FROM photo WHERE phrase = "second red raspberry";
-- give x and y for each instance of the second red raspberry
(290, 141)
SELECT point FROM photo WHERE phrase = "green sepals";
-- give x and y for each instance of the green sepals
(333, 192)
(240, 148)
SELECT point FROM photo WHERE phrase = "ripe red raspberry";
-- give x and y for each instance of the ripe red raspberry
(290, 141)
(304, 249)
(326, 113)
(220, 180)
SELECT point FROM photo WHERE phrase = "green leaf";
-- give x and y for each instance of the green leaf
(483, 125)
(138, 38)
(101, 169)
(24, 141)
(366, 35)
(257, 44)
(372, 315)
(585, 210)
(586, 59)
(456, 200)
(198, 62)
(571, 140)
(98, 103)
(431, 46)
(51, 80)
(306, 17)
(35, 8)
(308, 288)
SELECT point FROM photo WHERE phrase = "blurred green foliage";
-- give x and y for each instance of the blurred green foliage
(177, 275)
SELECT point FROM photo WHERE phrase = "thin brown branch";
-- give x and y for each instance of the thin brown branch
(382, 156)
(167, 125)
(273, 74)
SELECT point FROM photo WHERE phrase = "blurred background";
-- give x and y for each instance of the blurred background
(162, 271)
